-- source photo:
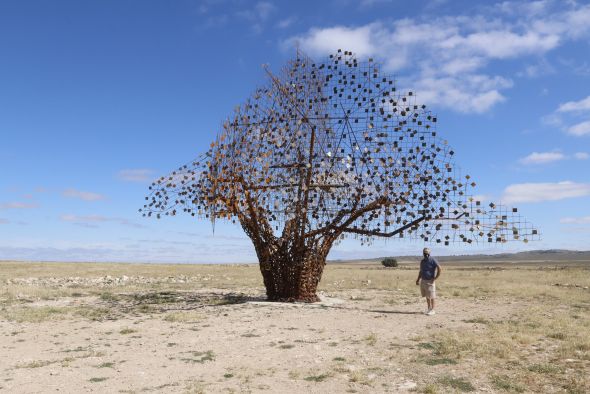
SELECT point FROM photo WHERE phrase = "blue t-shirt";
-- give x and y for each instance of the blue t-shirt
(428, 268)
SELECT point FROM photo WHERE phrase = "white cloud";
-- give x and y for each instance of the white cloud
(466, 93)
(445, 58)
(323, 41)
(571, 220)
(459, 66)
(580, 129)
(4, 221)
(581, 156)
(18, 205)
(136, 175)
(86, 196)
(503, 44)
(542, 158)
(570, 106)
(537, 192)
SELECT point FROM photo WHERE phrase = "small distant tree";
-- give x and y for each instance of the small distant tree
(323, 151)
(389, 262)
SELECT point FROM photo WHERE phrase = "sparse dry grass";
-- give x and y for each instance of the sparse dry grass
(29, 314)
(184, 317)
(544, 347)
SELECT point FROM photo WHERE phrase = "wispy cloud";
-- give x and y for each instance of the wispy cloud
(446, 57)
(258, 14)
(575, 106)
(18, 205)
(542, 67)
(82, 195)
(573, 117)
(542, 158)
(136, 175)
(135, 252)
(4, 221)
(578, 220)
(538, 192)
(264, 9)
(371, 3)
(287, 22)
(579, 129)
(536, 158)
(92, 221)
(482, 197)
(218, 14)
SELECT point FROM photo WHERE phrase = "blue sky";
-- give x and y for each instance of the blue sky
(98, 98)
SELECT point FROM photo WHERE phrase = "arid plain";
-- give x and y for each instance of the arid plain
(131, 328)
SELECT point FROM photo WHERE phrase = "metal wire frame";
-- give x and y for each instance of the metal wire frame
(334, 149)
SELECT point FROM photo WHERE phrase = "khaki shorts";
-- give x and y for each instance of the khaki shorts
(428, 288)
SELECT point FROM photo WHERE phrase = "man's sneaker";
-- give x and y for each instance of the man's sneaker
(430, 312)
(427, 311)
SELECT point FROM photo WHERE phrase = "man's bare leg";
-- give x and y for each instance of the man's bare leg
(431, 304)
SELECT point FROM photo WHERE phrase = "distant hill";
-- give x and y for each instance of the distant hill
(549, 255)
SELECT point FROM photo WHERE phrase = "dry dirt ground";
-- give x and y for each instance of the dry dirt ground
(198, 329)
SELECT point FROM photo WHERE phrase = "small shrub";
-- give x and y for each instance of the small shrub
(440, 361)
(371, 339)
(91, 313)
(317, 378)
(183, 317)
(480, 320)
(35, 364)
(545, 368)
(557, 335)
(504, 382)
(460, 384)
(430, 389)
(200, 357)
(106, 296)
(389, 262)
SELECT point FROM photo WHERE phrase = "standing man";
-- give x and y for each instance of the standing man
(429, 272)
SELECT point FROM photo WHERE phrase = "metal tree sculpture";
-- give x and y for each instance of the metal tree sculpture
(323, 151)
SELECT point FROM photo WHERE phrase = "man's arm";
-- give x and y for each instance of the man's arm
(438, 271)
(419, 276)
